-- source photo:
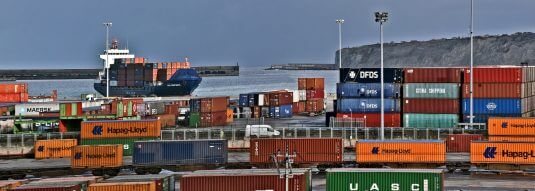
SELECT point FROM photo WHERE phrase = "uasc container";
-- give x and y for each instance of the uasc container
(514, 126)
(431, 90)
(307, 150)
(432, 75)
(460, 143)
(56, 148)
(120, 129)
(400, 151)
(243, 182)
(98, 156)
(123, 186)
(187, 152)
(514, 153)
(367, 90)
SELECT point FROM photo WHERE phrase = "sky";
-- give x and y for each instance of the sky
(70, 34)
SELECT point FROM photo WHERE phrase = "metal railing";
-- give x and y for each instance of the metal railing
(28, 140)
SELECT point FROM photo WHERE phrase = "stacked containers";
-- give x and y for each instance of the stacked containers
(359, 95)
(280, 104)
(13, 93)
(511, 129)
(311, 95)
(273, 104)
(431, 97)
(208, 112)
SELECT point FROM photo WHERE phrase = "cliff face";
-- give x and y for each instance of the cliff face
(488, 50)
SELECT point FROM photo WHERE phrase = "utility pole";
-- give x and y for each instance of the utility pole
(288, 161)
(471, 63)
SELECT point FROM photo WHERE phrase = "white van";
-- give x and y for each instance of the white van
(260, 131)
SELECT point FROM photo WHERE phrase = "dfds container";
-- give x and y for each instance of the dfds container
(123, 186)
(56, 148)
(372, 105)
(60, 187)
(431, 90)
(370, 75)
(493, 106)
(367, 90)
(308, 150)
(514, 153)
(163, 182)
(374, 119)
(97, 156)
(127, 143)
(401, 151)
(460, 143)
(430, 106)
(242, 182)
(120, 129)
(495, 90)
(417, 120)
(511, 126)
(188, 152)
(432, 75)
(385, 179)
(512, 138)
(494, 75)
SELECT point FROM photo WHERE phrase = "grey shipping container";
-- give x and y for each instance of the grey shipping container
(155, 108)
(184, 152)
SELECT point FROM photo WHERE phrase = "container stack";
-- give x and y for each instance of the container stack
(13, 93)
(359, 95)
(431, 97)
(280, 104)
(311, 95)
(208, 112)
(137, 71)
(274, 104)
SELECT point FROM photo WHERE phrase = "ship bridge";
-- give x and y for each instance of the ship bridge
(115, 53)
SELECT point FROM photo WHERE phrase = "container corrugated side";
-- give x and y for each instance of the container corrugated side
(186, 152)
(429, 106)
(432, 75)
(495, 90)
(368, 151)
(308, 150)
(123, 186)
(48, 188)
(374, 119)
(494, 75)
(512, 138)
(515, 126)
(431, 90)
(120, 129)
(502, 153)
(242, 182)
(367, 90)
(57, 148)
(493, 106)
(372, 105)
(418, 120)
(98, 156)
(164, 182)
(128, 143)
(385, 179)
(461, 142)
(370, 75)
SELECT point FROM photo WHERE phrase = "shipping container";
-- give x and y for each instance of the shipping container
(123, 186)
(307, 150)
(483, 118)
(214, 104)
(374, 119)
(70, 109)
(314, 105)
(512, 138)
(496, 90)
(279, 98)
(13, 88)
(418, 120)
(283, 111)
(59, 187)
(385, 179)
(370, 75)
(512, 126)
(194, 119)
(315, 83)
(494, 75)
(163, 182)
(213, 119)
(97, 156)
(431, 106)
(371, 105)
(401, 151)
(460, 143)
(243, 182)
(127, 143)
(83, 182)
(432, 75)
(431, 90)
(513, 153)
(302, 94)
(120, 129)
(33, 109)
(243, 100)
(230, 116)
(14, 98)
(54, 148)
(315, 94)
(155, 108)
(301, 83)
(187, 152)
(367, 90)
(8, 184)
(167, 120)
(493, 106)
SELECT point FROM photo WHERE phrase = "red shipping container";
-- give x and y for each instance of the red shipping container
(315, 94)
(308, 150)
(302, 106)
(439, 106)
(13, 88)
(315, 83)
(295, 107)
(214, 119)
(460, 143)
(314, 105)
(242, 182)
(494, 75)
(280, 98)
(301, 83)
(374, 119)
(494, 90)
(214, 104)
(14, 98)
(432, 75)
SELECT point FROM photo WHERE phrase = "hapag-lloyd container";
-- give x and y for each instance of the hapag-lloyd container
(431, 106)
(123, 186)
(493, 106)
(370, 75)
(457, 143)
(187, 152)
(127, 143)
(432, 75)
(98, 156)
(512, 138)
(494, 75)
(418, 120)
(371, 105)
(367, 90)
(400, 151)
(374, 119)
(431, 90)
(243, 182)
(385, 179)
(515, 153)
(495, 90)
(308, 150)
(120, 129)
(55, 148)
(511, 126)
(163, 182)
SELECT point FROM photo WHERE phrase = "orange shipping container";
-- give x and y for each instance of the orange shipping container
(301, 83)
(483, 152)
(123, 186)
(13, 88)
(214, 104)
(511, 126)
(57, 148)
(308, 150)
(230, 116)
(398, 151)
(315, 84)
(512, 138)
(167, 120)
(97, 156)
(120, 129)
(9, 184)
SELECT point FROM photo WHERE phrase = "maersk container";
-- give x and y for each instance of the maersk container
(33, 109)
(493, 106)
(370, 75)
(373, 105)
(127, 143)
(385, 179)
(416, 120)
(431, 90)
(369, 90)
(183, 152)
(482, 118)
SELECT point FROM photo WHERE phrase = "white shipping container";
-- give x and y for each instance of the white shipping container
(296, 95)
(260, 100)
(33, 109)
(86, 104)
(302, 95)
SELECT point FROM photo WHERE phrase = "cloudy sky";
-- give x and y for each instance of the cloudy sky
(69, 33)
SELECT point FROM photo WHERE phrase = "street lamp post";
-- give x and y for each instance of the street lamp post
(107, 65)
(340, 22)
(471, 63)
(382, 17)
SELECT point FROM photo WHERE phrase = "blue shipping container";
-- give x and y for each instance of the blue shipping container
(283, 111)
(188, 152)
(482, 118)
(368, 90)
(252, 99)
(244, 100)
(373, 105)
(493, 106)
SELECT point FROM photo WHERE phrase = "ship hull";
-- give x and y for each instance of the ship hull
(183, 88)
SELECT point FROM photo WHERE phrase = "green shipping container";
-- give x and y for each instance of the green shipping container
(385, 179)
(417, 120)
(127, 143)
(194, 119)
(431, 90)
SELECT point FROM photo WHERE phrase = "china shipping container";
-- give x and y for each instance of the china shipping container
(385, 179)
(127, 143)
(371, 105)
(8, 184)
(514, 153)
(512, 138)
(460, 143)
(97, 156)
(314, 105)
(13, 88)
(370, 75)
(431, 106)
(123, 186)
(242, 182)
(367, 90)
(163, 182)
(214, 104)
(70, 109)
(494, 75)
(59, 187)
(401, 151)
(120, 129)
(432, 75)
(483, 118)
(418, 120)
(493, 106)
(512, 126)
(308, 150)
(496, 90)
(431, 90)
(186, 152)
(54, 148)
(374, 119)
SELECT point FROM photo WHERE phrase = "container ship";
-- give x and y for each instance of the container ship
(130, 76)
